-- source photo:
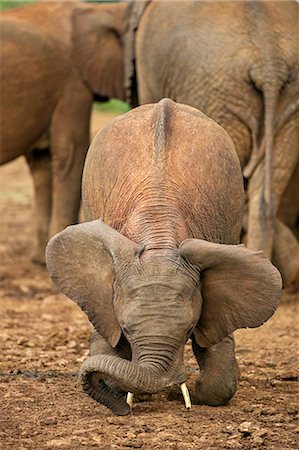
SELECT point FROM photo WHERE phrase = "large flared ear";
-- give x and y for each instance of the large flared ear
(240, 288)
(97, 35)
(81, 260)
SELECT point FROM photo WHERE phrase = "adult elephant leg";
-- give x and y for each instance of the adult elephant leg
(286, 255)
(70, 140)
(218, 379)
(39, 163)
(288, 211)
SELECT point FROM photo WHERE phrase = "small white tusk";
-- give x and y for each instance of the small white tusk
(130, 397)
(186, 396)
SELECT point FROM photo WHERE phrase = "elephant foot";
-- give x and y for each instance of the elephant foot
(219, 373)
(216, 387)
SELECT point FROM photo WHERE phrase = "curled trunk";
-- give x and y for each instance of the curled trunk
(126, 375)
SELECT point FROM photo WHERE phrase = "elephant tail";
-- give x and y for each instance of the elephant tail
(260, 168)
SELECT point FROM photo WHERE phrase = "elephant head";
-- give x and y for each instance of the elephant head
(156, 302)
(98, 51)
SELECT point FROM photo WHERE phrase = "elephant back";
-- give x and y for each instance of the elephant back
(167, 155)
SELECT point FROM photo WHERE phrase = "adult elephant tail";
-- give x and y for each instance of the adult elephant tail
(268, 79)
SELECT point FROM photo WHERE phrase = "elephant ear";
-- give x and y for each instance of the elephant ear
(81, 260)
(97, 47)
(240, 288)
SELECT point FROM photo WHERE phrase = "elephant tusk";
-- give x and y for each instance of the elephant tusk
(186, 396)
(130, 397)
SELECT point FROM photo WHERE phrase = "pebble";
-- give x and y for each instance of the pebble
(246, 428)
(268, 411)
(22, 340)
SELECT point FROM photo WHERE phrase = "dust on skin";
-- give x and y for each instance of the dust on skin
(44, 339)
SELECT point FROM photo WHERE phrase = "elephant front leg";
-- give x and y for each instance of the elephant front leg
(67, 186)
(69, 144)
(218, 379)
(40, 167)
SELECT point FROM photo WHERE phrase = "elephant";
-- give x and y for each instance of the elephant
(237, 62)
(56, 58)
(158, 259)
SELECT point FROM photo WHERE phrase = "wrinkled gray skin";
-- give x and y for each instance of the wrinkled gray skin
(163, 264)
(238, 62)
(55, 58)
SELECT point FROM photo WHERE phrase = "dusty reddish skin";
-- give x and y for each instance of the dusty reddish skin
(44, 335)
(167, 182)
(237, 61)
(162, 174)
(55, 57)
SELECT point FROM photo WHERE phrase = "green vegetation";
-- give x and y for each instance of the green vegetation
(113, 105)
(5, 4)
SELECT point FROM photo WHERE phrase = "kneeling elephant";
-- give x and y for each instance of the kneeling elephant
(163, 264)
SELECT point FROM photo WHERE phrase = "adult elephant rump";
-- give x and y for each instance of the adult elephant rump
(237, 62)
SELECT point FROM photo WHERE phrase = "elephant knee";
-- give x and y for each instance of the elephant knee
(216, 388)
(217, 394)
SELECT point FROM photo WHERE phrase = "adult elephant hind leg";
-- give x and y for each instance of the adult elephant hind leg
(70, 140)
(39, 163)
(261, 221)
(286, 256)
(286, 244)
(219, 372)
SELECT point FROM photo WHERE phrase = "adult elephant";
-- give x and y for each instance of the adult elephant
(56, 57)
(238, 62)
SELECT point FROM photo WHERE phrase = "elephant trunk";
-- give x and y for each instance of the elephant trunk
(125, 376)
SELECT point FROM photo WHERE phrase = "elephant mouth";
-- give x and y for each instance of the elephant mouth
(185, 393)
(113, 381)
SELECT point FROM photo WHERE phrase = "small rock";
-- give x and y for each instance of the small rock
(22, 340)
(288, 376)
(24, 289)
(246, 428)
(268, 411)
(258, 440)
(248, 409)
(62, 362)
(228, 430)
(49, 422)
(276, 383)
(260, 432)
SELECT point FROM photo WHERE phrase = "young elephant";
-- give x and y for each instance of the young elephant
(163, 265)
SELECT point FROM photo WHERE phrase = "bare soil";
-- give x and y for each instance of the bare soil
(44, 338)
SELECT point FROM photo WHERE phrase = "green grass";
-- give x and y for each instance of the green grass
(113, 105)
(6, 4)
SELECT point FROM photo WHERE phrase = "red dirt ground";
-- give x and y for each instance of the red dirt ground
(44, 338)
